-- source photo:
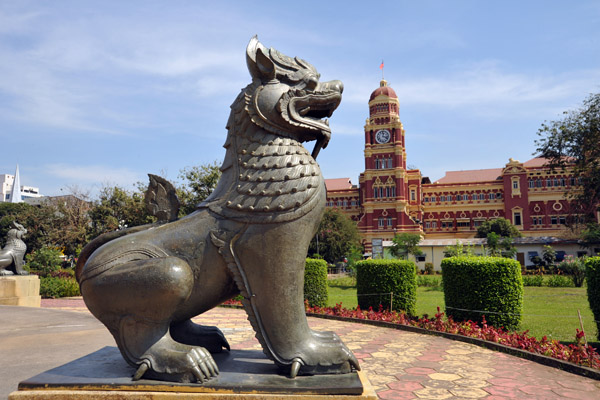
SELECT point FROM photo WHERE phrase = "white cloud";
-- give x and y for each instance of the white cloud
(93, 174)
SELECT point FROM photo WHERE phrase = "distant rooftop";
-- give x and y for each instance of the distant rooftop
(338, 184)
(482, 175)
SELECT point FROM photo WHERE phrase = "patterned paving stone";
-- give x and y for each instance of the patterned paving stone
(468, 393)
(433, 394)
(444, 377)
(406, 365)
(405, 386)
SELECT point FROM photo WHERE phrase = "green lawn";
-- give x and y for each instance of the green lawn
(546, 311)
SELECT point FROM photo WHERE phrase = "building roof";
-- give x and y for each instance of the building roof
(473, 175)
(480, 175)
(383, 89)
(338, 184)
(535, 162)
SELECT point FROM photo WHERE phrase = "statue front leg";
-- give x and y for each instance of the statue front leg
(272, 261)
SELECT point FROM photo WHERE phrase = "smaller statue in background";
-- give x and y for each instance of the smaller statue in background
(11, 256)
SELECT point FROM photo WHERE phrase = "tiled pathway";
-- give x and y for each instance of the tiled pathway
(404, 365)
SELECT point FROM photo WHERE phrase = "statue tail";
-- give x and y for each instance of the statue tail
(99, 241)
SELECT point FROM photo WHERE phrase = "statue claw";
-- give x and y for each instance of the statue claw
(141, 371)
(296, 364)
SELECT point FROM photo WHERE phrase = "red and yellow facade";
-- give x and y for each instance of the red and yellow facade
(390, 198)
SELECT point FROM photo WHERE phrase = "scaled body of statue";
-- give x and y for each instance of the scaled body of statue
(250, 236)
(11, 256)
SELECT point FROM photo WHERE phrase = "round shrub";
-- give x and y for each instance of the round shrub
(491, 284)
(592, 274)
(376, 279)
(315, 282)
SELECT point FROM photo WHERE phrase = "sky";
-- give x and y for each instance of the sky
(101, 93)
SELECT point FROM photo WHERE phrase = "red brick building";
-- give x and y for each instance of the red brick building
(390, 198)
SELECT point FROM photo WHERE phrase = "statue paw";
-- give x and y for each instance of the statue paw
(325, 354)
(209, 337)
(194, 364)
(5, 272)
(23, 272)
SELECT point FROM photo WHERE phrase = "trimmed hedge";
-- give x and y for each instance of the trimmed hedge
(492, 284)
(315, 282)
(51, 287)
(375, 279)
(592, 274)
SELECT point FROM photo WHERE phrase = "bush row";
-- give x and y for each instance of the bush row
(592, 274)
(315, 282)
(550, 281)
(490, 284)
(376, 280)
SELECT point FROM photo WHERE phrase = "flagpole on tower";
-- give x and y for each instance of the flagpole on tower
(381, 68)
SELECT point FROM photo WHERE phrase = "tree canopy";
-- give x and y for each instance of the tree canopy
(574, 142)
(405, 244)
(199, 183)
(336, 238)
(500, 226)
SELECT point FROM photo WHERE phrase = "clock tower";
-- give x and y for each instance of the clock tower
(390, 194)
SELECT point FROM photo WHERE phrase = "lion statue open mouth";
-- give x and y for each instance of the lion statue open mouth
(250, 236)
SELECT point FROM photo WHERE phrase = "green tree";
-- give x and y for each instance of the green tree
(573, 143)
(71, 223)
(38, 220)
(336, 236)
(117, 208)
(500, 246)
(199, 183)
(405, 244)
(548, 256)
(500, 226)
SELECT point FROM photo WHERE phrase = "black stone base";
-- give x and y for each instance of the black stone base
(242, 371)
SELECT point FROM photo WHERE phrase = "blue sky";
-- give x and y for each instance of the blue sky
(97, 93)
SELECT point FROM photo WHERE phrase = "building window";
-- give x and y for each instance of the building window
(477, 223)
(463, 224)
(548, 182)
(427, 224)
(345, 203)
(538, 183)
(447, 224)
(491, 196)
(421, 258)
(434, 199)
(390, 163)
(434, 224)
(553, 220)
(531, 184)
(413, 195)
(381, 222)
(562, 220)
(389, 221)
(498, 195)
(517, 218)
(572, 181)
(555, 181)
(515, 184)
(562, 182)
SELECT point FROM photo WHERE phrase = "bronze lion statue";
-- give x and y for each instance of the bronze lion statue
(250, 236)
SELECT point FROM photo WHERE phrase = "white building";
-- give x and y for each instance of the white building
(8, 192)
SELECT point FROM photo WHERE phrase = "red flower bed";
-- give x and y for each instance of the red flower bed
(578, 353)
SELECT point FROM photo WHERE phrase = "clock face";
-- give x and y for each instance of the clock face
(383, 136)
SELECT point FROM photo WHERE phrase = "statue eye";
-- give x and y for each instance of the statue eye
(312, 82)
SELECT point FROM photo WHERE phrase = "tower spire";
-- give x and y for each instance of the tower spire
(15, 193)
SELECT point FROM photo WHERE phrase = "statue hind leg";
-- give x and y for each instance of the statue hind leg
(136, 301)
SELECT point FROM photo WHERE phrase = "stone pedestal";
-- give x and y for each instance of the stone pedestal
(20, 290)
(245, 374)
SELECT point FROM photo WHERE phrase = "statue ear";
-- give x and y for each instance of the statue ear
(259, 64)
(265, 65)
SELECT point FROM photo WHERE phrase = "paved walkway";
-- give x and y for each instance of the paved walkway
(404, 365)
